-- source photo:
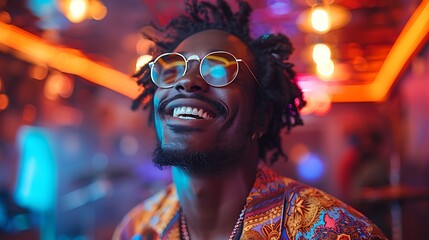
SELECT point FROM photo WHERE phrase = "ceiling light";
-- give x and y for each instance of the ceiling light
(321, 53)
(325, 69)
(338, 17)
(320, 19)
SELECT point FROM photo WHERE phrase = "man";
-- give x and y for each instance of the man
(220, 100)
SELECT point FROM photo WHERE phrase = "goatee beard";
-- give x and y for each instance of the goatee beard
(198, 163)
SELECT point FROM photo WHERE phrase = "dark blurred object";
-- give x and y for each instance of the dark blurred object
(365, 165)
(23, 235)
(15, 222)
(394, 193)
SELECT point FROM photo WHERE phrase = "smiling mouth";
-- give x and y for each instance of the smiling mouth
(185, 112)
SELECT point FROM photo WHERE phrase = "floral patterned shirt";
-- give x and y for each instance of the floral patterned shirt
(276, 208)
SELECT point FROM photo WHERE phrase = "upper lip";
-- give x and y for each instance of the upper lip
(204, 107)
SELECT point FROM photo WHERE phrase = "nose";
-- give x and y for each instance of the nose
(191, 81)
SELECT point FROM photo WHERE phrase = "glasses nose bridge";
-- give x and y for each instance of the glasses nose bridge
(191, 58)
(189, 80)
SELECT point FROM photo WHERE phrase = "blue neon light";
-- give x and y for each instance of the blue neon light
(37, 172)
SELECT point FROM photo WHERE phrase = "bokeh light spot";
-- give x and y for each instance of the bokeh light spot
(29, 113)
(129, 145)
(310, 167)
(4, 101)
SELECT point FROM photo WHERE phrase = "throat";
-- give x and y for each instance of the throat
(211, 207)
(235, 234)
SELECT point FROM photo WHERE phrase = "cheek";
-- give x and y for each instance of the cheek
(243, 115)
(248, 111)
(156, 118)
(157, 97)
(158, 126)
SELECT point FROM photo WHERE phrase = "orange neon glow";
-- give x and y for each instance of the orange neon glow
(74, 62)
(66, 60)
(415, 32)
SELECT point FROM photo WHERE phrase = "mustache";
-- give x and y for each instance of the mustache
(216, 105)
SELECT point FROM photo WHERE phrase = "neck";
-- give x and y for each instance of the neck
(212, 204)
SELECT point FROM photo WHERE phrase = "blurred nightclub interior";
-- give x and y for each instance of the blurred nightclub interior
(74, 158)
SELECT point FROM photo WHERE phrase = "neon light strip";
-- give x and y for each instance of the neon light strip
(412, 36)
(67, 60)
(408, 41)
(72, 61)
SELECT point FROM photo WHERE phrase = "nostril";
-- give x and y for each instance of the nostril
(192, 88)
(196, 88)
(191, 84)
(179, 87)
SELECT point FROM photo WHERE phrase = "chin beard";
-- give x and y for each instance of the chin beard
(198, 163)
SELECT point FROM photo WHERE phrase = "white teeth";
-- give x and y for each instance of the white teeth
(184, 117)
(191, 113)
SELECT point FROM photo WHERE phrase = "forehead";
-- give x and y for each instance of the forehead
(211, 40)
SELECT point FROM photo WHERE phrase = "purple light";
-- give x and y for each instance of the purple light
(279, 7)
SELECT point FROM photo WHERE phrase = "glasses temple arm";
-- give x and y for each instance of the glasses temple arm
(248, 68)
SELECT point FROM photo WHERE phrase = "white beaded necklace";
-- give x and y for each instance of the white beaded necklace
(185, 233)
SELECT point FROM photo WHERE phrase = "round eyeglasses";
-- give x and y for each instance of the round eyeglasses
(218, 68)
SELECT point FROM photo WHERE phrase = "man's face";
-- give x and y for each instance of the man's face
(228, 112)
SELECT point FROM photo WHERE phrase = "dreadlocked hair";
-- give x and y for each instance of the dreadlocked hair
(278, 87)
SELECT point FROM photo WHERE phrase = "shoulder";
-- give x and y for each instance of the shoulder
(151, 214)
(313, 214)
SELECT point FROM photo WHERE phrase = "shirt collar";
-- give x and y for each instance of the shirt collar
(264, 203)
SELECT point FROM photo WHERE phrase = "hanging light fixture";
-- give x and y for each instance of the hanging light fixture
(321, 53)
(322, 58)
(319, 18)
(325, 69)
(322, 18)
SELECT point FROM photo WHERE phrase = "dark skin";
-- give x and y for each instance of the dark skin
(212, 203)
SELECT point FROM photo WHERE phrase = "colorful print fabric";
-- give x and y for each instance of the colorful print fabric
(276, 208)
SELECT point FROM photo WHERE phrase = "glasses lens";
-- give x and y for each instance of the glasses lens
(167, 69)
(219, 68)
